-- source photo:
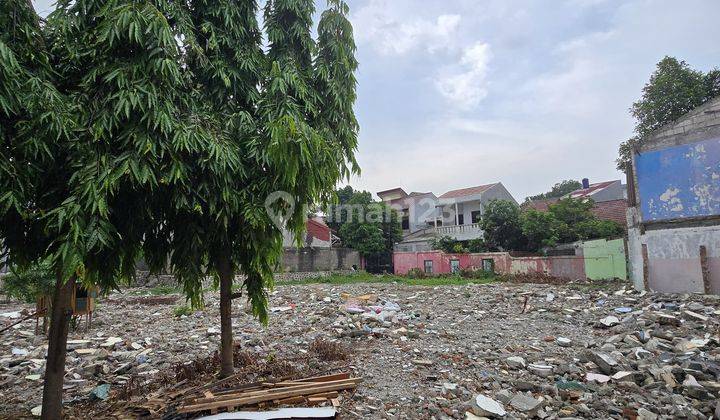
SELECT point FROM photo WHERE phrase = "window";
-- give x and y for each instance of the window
(476, 216)
(406, 223)
(428, 266)
(461, 219)
(454, 266)
(488, 264)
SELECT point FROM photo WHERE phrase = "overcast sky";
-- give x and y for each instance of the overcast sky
(458, 93)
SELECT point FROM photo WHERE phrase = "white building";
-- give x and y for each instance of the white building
(456, 213)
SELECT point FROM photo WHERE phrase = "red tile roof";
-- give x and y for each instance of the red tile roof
(611, 210)
(463, 192)
(318, 229)
(540, 205)
(584, 192)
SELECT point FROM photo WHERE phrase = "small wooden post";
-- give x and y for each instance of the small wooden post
(646, 268)
(705, 270)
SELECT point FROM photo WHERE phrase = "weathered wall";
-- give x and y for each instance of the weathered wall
(605, 259)
(676, 174)
(674, 258)
(570, 267)
(319, 259)
(680, 181)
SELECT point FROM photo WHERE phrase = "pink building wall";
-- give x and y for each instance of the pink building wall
(572, 267)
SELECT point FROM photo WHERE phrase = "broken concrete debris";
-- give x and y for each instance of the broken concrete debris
(488, 407)
(422, 352)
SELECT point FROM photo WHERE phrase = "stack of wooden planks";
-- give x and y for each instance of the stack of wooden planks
(316, 390)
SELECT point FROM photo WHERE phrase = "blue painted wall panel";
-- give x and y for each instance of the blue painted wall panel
(680, 181)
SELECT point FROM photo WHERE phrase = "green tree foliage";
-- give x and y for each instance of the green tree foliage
(501, 226)
(449, 245)
(568, 220)
(673, 90)
(541, 229)
(558, 190)
(27, 283)
(446, 244)
(362, 223)
(153, 127)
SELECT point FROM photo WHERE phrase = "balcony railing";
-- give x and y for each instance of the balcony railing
(460, 232)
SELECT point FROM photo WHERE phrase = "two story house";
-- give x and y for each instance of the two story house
(456, 213)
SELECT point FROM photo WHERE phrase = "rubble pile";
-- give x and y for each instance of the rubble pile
(504, 350)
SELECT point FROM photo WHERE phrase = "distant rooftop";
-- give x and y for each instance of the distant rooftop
(594, 188)
(463, 192)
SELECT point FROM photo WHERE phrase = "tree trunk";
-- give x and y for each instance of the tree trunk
(226, 274)
(57, 348)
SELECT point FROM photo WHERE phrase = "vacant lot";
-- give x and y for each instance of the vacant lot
(538, 350)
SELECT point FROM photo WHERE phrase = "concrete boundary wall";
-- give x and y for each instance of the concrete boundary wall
(565, 266)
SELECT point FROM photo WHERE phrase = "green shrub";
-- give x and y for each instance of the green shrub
(416, 273)
(470, 273)
(179, 311)
(27, 284)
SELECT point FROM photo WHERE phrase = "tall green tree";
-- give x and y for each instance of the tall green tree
(209, 221)
(362, 223)
(501, 226)
(673, 90)
(36, 127)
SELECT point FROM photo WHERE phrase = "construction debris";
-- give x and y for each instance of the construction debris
(440, 348)
(320, 390)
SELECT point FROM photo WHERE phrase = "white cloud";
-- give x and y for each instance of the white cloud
(389, 32)
(466, 87)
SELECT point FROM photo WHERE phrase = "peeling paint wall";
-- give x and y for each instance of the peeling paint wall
(680, 181)
(677, 206)
(674, 258)
(570, 267)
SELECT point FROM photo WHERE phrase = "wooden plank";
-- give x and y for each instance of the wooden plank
(705, 268)
(268, 391)
(314, 379)
(326, 387)
(327, 378)
(316, 400)
(292, 400)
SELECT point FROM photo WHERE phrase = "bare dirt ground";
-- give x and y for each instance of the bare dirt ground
(545, 351)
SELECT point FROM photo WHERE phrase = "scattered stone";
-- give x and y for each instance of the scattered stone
(19, 352)
(525, 403)
(645, 414)
(606, 363)
(564, 342)
(36, 411)
(485, 406)
(694, 316)
(541, 370)
(596, 377)
(609, 321)
(665, 319)
(504, 396)
(100, 392)
(515, 362)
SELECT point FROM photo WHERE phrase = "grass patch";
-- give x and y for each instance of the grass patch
(363, 277)
(179, 311)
